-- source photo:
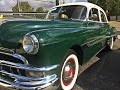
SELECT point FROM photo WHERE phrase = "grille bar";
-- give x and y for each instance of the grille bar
(24, 78)
(17, 86)
(6, 50)
(26, 67)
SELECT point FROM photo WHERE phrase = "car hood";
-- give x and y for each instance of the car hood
(11, 31)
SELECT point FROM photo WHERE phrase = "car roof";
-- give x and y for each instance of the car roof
(86, 4)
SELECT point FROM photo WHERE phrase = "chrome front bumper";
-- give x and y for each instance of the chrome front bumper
(17, 81)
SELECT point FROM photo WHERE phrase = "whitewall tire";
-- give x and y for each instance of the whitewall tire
(111, 43)
(69, 71)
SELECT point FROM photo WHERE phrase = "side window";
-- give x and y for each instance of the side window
(94, 15)
(103, 17)
(73, 12)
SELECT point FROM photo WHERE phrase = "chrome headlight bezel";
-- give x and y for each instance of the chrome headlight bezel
(30, 44)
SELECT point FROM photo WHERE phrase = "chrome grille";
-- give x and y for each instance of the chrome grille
(13, 68)
(13, 59)
(6, 50)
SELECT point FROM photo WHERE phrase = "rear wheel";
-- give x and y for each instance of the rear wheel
(110, 44)
(69, 70)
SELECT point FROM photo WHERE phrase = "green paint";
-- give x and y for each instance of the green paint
(56, 37)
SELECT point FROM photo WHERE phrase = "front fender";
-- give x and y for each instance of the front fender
(54, 44)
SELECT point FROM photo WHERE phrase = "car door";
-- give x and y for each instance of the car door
(104, 27)
(93, 29)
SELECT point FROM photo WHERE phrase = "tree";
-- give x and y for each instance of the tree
(15, 8)
(41, 11)
(101, 3)
(112, 7)
(57, 2)
(23, 6)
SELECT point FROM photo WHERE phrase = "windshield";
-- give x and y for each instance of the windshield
(68, 12)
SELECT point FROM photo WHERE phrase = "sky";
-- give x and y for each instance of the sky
(6, 5)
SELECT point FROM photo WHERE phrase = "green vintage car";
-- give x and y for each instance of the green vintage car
(47, 54)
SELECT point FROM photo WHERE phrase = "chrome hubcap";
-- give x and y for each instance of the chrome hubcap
(68, 72)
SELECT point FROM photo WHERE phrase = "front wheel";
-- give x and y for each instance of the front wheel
(69, 71)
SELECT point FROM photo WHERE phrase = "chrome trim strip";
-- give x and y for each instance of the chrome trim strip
(7, 50)
(6, 53)
(20, 57)
(27, 67)
(23, 78)
(14, 85)
(111, 36)
(37, 83)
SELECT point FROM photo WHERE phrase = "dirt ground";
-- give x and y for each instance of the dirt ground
(115, 24)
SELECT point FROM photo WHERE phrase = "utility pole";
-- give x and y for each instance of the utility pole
(63, 1)
(19, 10)
(57, 2)
(18, 5)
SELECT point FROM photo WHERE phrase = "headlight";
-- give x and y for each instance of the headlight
(30, 44)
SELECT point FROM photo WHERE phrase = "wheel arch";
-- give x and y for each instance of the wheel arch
(78, 49)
